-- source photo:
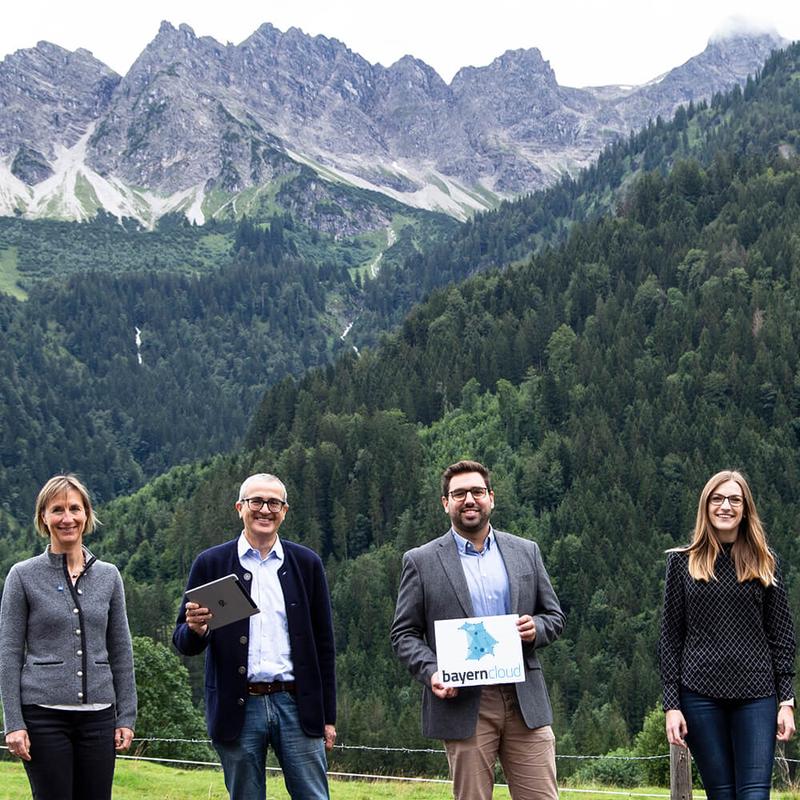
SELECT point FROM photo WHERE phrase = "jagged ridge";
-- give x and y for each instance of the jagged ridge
(196, 124)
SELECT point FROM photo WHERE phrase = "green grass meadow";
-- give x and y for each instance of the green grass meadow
(139, 780)
(9, 274)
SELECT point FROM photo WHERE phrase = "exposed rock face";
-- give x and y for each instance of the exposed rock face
(724, 63)
(520, 120)
(30, 166)
(195, 114)
(49, 96)
(414, 108)
(330, 209)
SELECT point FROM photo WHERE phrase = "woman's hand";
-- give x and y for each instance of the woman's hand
(19, 744)
(122, 738)
(676, 727)
(785, 723)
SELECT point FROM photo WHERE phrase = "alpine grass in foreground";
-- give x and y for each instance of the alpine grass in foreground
(135, 780)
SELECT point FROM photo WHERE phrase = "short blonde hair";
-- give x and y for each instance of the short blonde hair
(57, 485)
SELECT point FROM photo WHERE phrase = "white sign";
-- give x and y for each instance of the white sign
(478, 651)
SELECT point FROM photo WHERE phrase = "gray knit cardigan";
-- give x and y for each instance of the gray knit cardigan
(65, 644)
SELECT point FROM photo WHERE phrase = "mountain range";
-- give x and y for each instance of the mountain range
(211, 129)
(602, 379)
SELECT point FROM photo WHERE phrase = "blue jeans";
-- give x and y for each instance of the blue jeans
(733, 744)
(272, 720)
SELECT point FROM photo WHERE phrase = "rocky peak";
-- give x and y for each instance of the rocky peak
(738, 52)
(525, 67)
(194, 114)
(49, 96)
(175, 52)
(517, 86)
(727, 60)
(294, 49)
(314, 91)
(416, 74)
(414, 110)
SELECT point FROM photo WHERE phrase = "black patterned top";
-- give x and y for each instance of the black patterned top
(723, 638)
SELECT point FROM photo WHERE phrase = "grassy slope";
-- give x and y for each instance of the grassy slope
(9, 274)
(135, 780)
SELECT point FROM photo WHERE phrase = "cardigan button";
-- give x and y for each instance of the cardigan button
(80, 674)
(247, 576)
(242, 670)
(79, 653)
(242, 640)
(240, 701)
(77, 631)
(80, 694)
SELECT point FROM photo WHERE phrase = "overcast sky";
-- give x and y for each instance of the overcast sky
(587, 42)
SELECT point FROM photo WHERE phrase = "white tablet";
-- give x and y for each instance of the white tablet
(225, 598)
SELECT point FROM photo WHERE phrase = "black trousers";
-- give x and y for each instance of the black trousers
(72, 753)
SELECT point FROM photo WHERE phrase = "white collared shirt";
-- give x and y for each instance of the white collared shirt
(269, 656)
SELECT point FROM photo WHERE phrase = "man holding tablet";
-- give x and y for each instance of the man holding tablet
(477, 571)
(270, 677)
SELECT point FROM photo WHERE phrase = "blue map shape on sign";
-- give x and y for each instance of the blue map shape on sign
(480, 642)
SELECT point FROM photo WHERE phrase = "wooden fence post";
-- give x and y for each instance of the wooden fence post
(680, 773)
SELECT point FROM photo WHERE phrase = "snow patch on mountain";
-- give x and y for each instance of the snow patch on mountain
(437, 192)
(77, 192)
(14, 194)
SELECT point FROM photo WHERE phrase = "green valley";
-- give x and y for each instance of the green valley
(644, 336)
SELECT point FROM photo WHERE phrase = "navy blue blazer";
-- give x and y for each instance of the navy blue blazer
(308, 612)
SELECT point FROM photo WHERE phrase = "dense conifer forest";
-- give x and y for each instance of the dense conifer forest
(649, 341)
(220, 312)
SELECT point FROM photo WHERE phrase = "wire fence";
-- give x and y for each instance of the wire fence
(361, 776)
(422, 750)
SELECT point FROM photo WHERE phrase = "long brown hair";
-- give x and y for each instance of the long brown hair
(751, 556)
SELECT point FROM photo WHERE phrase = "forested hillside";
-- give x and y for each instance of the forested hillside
(602, 381)
(210, 301)
(151, 348)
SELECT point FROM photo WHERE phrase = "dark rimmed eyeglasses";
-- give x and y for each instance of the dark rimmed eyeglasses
(273, 504)
(477, 492)
(735, 500)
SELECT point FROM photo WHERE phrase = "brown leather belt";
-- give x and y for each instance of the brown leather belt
(270, 687)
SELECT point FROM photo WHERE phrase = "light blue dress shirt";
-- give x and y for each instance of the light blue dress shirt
(486, 576)
(269, 657)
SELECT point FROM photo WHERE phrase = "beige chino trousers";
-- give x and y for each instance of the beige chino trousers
(528, 756)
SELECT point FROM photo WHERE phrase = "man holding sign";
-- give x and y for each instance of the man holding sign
(473, 577)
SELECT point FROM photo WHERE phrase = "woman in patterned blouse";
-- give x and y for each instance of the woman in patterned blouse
(727, 645)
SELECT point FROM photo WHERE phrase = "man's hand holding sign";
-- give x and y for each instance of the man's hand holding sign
(474, 607)
(478, 651)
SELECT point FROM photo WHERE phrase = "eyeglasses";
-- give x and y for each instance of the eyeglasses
(735, 500)
(477, 492)
(257, 503)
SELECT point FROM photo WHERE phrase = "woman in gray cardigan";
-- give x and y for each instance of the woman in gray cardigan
(66, 661)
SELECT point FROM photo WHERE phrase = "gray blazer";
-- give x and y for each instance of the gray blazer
(433, 586)
(62, 644)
